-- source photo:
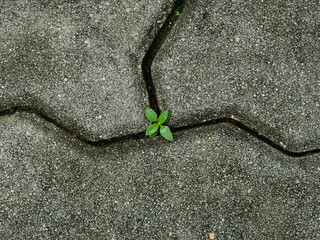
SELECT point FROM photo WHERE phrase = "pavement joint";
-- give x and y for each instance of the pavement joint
(250, 131)
(141, 135)
(153, 49)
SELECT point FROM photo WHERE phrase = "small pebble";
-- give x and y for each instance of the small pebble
(211, 235)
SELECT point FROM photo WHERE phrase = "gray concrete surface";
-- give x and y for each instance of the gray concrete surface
(230, 184)
(79, 61)
(256, 61)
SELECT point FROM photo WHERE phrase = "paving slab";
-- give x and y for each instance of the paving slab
(255, 61)
(79, 62)
(215, 180)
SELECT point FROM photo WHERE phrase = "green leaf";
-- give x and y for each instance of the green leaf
(153, 135)
(164, 117)
(178, 13)
(152, 129)
(151, 115)
(166, 133)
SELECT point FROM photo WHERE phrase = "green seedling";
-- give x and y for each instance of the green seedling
(178, 13)
(153, 129)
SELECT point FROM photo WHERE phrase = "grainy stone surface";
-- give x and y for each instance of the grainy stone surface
(79, 61)
(257, 61)
(213, 180)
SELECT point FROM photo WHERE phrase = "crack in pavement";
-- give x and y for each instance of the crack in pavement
(250, 131)
(215, 122)
(141, 135)
(153, 49)
(147, 61)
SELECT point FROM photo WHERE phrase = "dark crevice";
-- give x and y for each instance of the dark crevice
(71, 134)
(108, 142)
(141, 135)
(8, 112)
(209, 123)
(249, 131)
(153, 49)
(155, 46)
(41, 115)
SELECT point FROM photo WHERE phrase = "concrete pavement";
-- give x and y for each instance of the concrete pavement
(240, 79)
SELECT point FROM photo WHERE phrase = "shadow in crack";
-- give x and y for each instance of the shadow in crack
(141, 135)
(153, 49)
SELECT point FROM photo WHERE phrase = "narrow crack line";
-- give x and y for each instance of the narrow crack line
(69, 132)
(41, 115)
(141, 135)
(250, 131)
(7, 112)
(153, 49)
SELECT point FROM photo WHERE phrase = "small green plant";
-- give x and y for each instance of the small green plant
(178, 13)
(153, 129)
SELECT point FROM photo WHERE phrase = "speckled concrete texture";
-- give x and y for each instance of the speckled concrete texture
(213, 180)
(79, 62)
(255, 61)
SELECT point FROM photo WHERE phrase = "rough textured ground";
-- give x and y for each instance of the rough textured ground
(78, 62)
(78, 65)
(257, 61)
(230, 184)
